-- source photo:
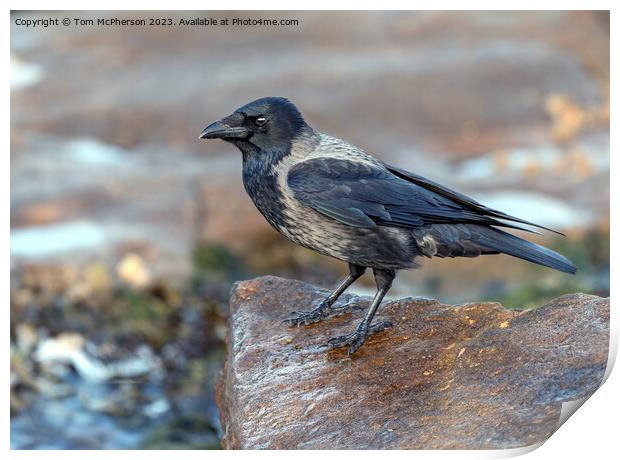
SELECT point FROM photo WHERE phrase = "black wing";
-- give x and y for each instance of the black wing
(463, 200)
(363, 195)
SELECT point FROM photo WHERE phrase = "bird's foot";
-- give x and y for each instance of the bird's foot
(356, 339)
(324, 310)
(302, 318)
(346, 308)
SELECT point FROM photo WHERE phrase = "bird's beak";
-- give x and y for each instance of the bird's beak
(222, 129)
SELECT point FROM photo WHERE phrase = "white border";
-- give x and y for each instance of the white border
(591, 432)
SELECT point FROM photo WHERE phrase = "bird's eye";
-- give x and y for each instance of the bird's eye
(260, 121)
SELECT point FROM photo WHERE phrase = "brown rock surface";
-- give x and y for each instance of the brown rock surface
(471, 376)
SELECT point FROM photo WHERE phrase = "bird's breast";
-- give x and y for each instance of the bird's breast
(263, 190)
(267, 185)
(271, 195)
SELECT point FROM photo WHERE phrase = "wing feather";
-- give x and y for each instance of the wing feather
(364, 195)
(461, 199)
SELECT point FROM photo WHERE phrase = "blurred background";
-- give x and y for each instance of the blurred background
(127, 231)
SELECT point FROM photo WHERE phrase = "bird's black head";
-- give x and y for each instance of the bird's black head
(268, 125)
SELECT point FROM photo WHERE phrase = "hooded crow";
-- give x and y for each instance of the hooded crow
(334, 198)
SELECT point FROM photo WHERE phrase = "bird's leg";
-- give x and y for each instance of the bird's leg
(324, 309)
(355, 340)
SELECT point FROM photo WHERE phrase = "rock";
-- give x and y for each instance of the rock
(133, 271)
(471, 376)
(60, 348)
(26, 338)
(96, 364)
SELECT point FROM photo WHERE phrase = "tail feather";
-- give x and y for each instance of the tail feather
(468, 240)
(500, 241)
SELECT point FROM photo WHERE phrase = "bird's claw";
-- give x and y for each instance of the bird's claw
(356, 339)
(346, 308)
(353, 340)
(303, 318)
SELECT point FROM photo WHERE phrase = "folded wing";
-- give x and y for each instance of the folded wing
(365, 195)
